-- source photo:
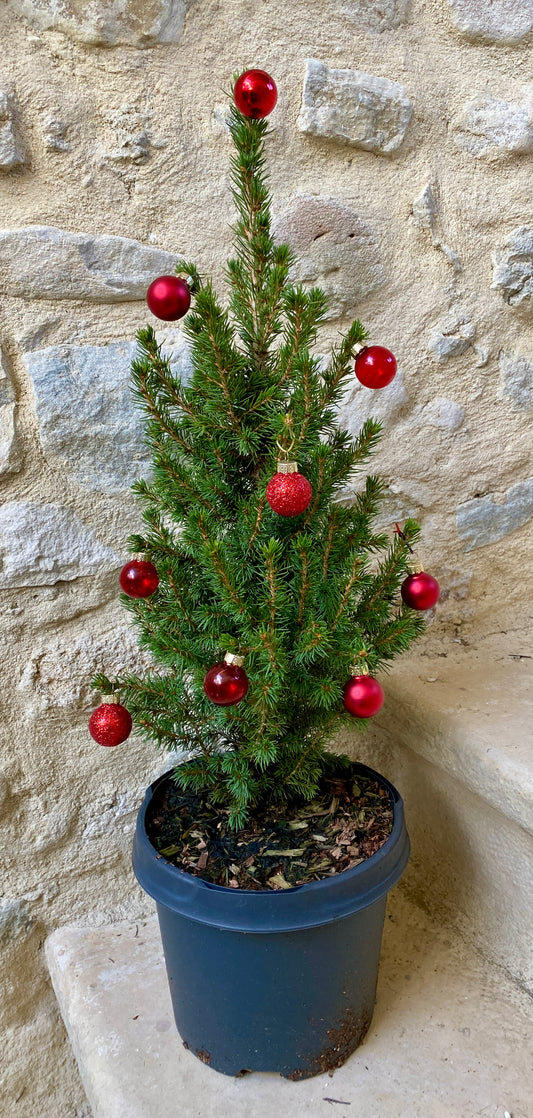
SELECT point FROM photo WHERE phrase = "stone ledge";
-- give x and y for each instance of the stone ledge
(470, 716)
(447, 1040)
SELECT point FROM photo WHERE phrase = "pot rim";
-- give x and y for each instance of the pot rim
(308, 905)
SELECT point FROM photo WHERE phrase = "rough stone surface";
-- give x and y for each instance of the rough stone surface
(41, 262)
(426, 218)
(55, 133)
(112, 989)
(376, 15)
(11, 150)
(335, 249)
(132, 139)
(452, 338)
(367, 111)
(445, 414)
(89, 423)
(425, 209)
(489, 128)
(44, 544)
(493, 21)
(59, 674)
(15, 919)
(10, 459)
(513, 268)
(483, 520)
(516, 380)
(109, 23)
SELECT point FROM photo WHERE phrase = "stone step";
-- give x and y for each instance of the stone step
(455, 737)
(449, 1039)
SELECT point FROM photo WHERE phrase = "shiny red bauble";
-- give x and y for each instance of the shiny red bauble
(139, 578)
(110, 724)
(288, 494)
(255, 94)
(420, 591)
(375, 366)
(363, 696)
(226, 684)
(169, 298)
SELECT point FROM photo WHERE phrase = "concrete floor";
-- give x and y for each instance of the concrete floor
(452, 1037)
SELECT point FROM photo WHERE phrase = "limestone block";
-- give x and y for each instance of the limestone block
(425, 209)
(131, 135)
(15, 919)
(41, 262)
(493, 21)
(89, 423)
(109, 23)
(452, 338)
(376, 15)
(513, 268)
(54, 135)
(10, 460)
(482, 521)
(516, 380)
(335, 250)
(489, 128)
(44, 544)
(11, 150)
(445, 414)
(356, 108)
(59, 674)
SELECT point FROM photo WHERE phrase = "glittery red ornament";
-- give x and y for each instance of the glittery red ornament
(110, 724)
(255, 94)
(226, 683)
(139, 578)
(420, 590)
(363, 696)
(375, 366)
(288, 492)
(169, 298)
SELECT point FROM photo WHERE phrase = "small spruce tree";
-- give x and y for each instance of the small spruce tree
(306, 599)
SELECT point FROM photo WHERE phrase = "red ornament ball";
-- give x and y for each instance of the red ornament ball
(169, 298)
(420, 591)
(226, 684)
(288, 494)
(110, 724)
(139, 578)
(255, 94)
(375, 366)
(363, 696)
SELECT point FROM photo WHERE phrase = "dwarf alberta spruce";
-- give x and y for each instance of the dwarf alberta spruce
(306, 599)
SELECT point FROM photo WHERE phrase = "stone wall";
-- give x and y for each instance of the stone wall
(400, 160)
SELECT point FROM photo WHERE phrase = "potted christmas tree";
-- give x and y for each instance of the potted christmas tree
(268, 607)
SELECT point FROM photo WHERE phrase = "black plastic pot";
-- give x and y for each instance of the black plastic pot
(273, 981)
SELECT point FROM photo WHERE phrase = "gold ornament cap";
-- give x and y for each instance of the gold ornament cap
(232, 658)
(287, 467)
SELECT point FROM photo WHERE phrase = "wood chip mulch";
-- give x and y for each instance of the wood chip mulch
(345, 825)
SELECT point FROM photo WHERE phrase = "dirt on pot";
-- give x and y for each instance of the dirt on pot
(347, 822)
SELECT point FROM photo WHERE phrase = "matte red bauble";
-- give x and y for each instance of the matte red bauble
(226, 684)
(110, 724)
(255, 94)
(363, 696)
(420, 591)
(375, 366)
(169, 298)
(288, 492)
(139, 578)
